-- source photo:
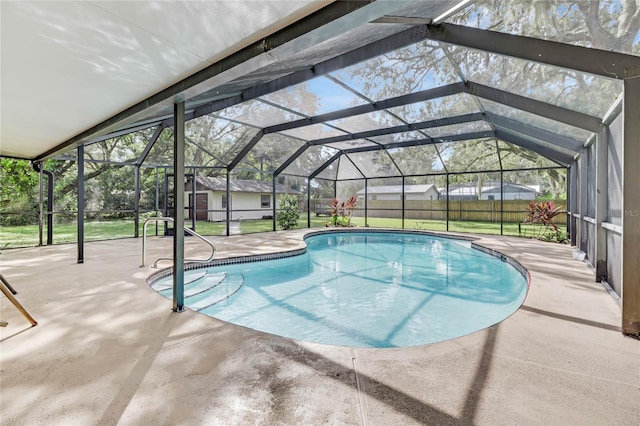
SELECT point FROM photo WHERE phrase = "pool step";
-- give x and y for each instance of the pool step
(190, 277)
(199, 285)
(225, 289)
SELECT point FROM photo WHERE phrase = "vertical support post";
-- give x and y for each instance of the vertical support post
(50, 185)
(584, 199)
(578, 206)
(574, 202)
(157, 204)
(81, 204)
(193, 199)
(602, 182)
(447, 195)
(366, 203)
(403, 205)
(41, 212)
(308, 203)
(631, 208)
(567, 182)
(165, 199)
(501, 202)
(136, 200)
(228, 202)
(178, 211)
(165, 206)
(273, 191)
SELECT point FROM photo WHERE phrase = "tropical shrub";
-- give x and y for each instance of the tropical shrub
(341, 211)
(542, 213)
(289, 213)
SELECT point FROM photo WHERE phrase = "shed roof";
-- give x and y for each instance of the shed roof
(397, 189)
(488, 187)
(510, 187)
(241, 185)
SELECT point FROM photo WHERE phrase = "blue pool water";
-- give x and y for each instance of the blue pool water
(363, 290)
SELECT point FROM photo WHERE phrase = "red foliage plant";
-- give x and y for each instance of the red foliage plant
(341, 211)
(543, 213)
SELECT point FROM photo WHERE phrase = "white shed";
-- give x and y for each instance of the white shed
(249, 199)
(511, 191)
(491, 191)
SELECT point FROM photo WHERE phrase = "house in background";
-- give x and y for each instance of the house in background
(394, 192)
(491, 191)
(250, 199)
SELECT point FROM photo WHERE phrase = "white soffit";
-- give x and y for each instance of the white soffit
(66, 66)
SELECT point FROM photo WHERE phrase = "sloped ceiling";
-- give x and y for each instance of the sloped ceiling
(67, 66)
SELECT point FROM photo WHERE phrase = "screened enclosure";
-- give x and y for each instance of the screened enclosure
(445, 115)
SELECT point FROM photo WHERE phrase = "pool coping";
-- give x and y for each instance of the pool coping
(234, 260)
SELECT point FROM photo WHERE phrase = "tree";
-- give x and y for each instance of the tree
(18, 179)
(18, 193)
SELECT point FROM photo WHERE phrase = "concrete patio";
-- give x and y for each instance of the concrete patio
(108, 350)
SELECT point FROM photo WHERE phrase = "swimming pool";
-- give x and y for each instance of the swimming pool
(362, 289)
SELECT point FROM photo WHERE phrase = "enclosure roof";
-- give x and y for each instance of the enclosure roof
(363, 89)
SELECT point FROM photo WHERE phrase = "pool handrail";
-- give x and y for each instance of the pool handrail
(188, 230)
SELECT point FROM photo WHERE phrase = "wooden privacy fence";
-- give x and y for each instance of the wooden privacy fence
(515, 211)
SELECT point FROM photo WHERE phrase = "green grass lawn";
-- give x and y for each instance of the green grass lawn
(25, 236)
(259, 225)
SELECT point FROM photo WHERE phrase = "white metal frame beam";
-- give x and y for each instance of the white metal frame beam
(543, 109)
(598, 62)
(458, 119)
(552, 154)
(631, 209)
(424, 95)
(569, 144)
(602, 184)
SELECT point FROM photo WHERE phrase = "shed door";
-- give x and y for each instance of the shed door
(202, 204)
